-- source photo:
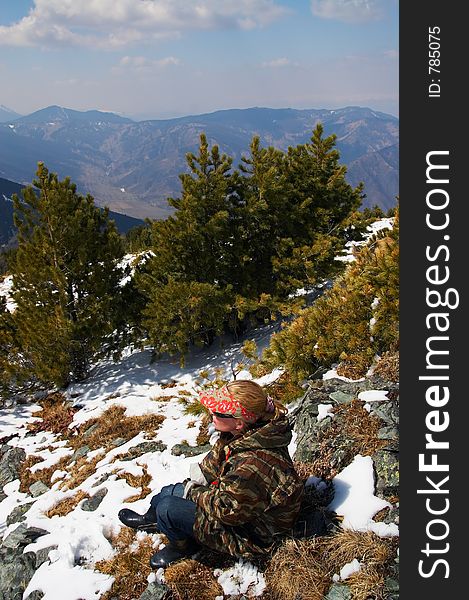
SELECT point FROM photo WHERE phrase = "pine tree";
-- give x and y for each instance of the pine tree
(321, 202)
(65, 279)
(261, 219)
(192, 261)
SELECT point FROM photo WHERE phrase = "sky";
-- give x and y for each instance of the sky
(168, 58)
(137, 385)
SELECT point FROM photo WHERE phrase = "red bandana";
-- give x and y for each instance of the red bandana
(220, 400)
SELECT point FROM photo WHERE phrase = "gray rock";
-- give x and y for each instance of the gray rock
(179, 449)
(386, 465)
(14, 538)
(18, 513)
(143, 448)
(341, 397)
(10, 463)
(155, 591)
(338, 591)
(83, 451)
(91, 430)
(16, 571)
(91, 504)
(36, 595)
(118, 442)
(42, 555)
(38, 488)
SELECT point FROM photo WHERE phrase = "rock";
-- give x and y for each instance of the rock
(16, 567)
(83, 451)
(17, 514)
(338, 591)
(91, 430)
(118, 442)
(42, 555)
(341, 397)
(38, 488)
(155, 591)
(187, 450)
(36, 595)
(143, 448)
(91, 504)
(386, 465)
(10, 463)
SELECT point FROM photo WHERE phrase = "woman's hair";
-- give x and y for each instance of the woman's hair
(253, 397)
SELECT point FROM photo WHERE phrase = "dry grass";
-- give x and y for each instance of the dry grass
(137, 481)
(80, 471)
(373, 552)
(303, 569)
(56, 415)
(203, 436)
(352, 431)
(27, 477)
(284, 389)
(192, 580)
(162, 398)
(388, 367)
(354, 366)
(130, 566)
(297, 571)
(112, 424)
(66, 506)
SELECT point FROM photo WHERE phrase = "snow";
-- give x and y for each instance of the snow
(371, 230)
(80, 538)
(5, 290)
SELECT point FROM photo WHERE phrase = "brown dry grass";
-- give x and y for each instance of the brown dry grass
(354, 366)
(388, 367)
(66, 506)
(303, 569)
(27, 477)
(80, 471)
(112, 424)
(375, 554)
(284, 389)
(137, 481)
(203, 435)
(357, 429)
(192, 580)
(297, 571)
(130, 567)
(56, 415)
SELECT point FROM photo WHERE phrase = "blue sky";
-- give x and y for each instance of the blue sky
(167, 58)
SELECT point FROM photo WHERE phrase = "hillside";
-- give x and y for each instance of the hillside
(7, 228)
(71, 459)
(133, 167)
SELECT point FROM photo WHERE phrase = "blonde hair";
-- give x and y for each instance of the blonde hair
(253, 397)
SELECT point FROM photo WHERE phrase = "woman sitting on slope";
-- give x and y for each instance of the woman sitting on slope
(243, 496)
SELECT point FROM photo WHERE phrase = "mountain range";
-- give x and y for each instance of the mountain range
(133, 166)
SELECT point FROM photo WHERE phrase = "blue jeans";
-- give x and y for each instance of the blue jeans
(175, 515)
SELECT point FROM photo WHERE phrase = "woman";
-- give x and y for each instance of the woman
(245, 494)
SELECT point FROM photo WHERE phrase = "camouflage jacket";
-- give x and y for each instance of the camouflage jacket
(254, 494)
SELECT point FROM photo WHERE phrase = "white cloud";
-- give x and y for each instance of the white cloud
(142, 63)
(116, 23)
(349, 11)
(278, 62)
(392, 54)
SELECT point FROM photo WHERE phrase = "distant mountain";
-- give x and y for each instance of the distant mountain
(8, 230)
(133, 167)
(7, 114)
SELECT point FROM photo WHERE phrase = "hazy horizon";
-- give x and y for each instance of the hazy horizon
(163, 59)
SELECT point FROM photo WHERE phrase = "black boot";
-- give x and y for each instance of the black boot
(172, 552)
(146, 522)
